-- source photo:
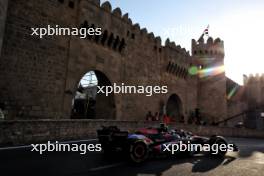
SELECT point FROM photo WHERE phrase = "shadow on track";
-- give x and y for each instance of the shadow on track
(200, 163)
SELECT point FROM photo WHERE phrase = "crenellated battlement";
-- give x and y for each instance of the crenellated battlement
(117, 24)
(125, 18)
(125, 52)
(254, 78)
(113, 20)
(210, 48)
(130, 30)
(254, 90)
(178, 48)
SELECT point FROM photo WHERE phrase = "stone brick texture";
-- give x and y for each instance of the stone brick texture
(3, 10)
(38, 77)
(19, 132)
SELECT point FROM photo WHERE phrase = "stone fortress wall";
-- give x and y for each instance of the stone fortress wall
(254, 96)
(40, 131)
(39, 76)
(254, 85)
(3, 9)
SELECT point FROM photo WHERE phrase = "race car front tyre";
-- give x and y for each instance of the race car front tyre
(139, 152)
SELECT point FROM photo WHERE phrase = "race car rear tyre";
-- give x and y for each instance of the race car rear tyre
(139, 152)
(107, 152)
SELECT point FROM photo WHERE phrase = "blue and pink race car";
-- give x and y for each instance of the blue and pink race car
(150, 142)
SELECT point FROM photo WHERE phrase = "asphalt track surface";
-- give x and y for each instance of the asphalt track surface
(249, 161)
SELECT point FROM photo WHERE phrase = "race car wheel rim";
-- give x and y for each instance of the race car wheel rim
(139, 151)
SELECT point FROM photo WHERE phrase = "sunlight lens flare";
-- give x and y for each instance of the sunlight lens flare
(232, 92)
(211, 71)
(242, 32)
(193, 70)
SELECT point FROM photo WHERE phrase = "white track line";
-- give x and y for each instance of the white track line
(64, 142)
(250, 145)
(16, 147)
(106, 167)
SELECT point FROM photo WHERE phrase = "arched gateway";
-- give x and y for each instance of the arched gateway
(174, 108)
(87, 103)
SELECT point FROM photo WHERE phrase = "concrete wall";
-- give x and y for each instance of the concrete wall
(26, 132)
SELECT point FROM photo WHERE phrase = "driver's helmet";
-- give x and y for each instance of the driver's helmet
(182, 132)
(163, 128)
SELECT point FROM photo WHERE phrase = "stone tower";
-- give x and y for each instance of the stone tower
(254, 98)
(208, 57)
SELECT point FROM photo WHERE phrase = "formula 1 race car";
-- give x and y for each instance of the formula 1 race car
(147, 142)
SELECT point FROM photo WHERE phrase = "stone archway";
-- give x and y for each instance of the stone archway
(87, 103)
(174, 108)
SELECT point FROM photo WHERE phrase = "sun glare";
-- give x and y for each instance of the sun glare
(243, 37)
